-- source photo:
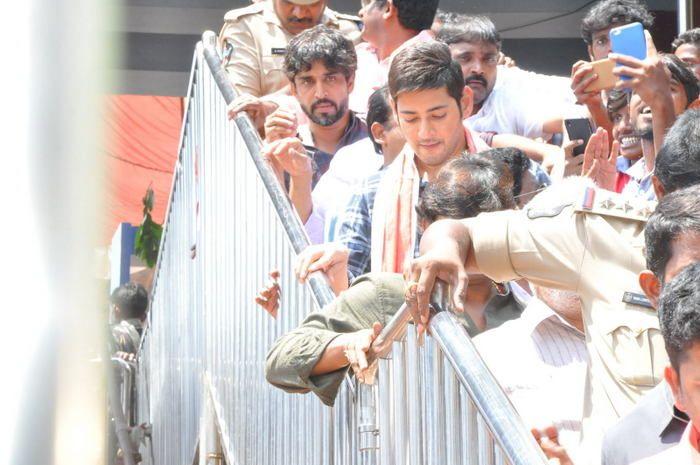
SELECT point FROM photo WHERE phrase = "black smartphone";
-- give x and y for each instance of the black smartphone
(579, 129)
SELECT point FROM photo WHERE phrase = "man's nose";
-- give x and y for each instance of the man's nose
(425, 130)
(320, 89)
(477, 67)
(298, 11)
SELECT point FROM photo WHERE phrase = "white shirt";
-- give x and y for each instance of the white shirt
(682, 453)
(521, 101)
(350, 165)
(540, 360)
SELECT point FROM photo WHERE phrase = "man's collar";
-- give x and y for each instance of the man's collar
(269, 14)
(668, 413)
(536, 312)
(638, 171)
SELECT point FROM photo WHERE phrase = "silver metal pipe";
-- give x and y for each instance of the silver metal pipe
(498, 413)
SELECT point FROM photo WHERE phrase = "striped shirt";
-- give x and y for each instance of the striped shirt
(540, 361)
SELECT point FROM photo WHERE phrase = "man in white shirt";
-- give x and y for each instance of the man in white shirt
(540, 360)
(506, 101)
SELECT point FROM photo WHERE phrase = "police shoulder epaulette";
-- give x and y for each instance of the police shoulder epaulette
(238, 13)
(606, 203)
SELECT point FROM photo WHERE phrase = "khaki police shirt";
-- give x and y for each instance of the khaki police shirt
(253, 43)
(593, 247)
(372, 297)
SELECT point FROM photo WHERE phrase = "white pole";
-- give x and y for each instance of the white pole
(683, 15)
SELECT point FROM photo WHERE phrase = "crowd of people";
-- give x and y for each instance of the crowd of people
(413, 148)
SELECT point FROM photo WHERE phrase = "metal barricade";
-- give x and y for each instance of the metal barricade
(229, 223)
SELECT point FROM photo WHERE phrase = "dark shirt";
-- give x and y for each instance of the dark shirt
(652, 426)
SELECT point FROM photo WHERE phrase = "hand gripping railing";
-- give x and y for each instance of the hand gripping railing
(229, 222)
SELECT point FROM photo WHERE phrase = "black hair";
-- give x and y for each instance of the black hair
(682, 73)
(678, 213)
(678, 160)
(466, 186)
(426, 65)
(320, 43)
(614, 12)
(378, 111)
(691, 36)
(132, 300)
(617, 99)
(679, 312)
(414, 14)
(470, 29)
(515, 161)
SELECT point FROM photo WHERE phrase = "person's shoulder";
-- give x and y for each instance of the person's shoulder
(579, 195)
(246, 12)
(345, 18)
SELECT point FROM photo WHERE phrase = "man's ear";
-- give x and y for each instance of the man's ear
(377, 131)
(659, 189)
(651, 286)
(590, 52)
(351, 83)
(674, 381)
(467, 102)
(389, 11)
(293, 89)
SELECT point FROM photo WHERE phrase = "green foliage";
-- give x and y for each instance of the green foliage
(148, 235)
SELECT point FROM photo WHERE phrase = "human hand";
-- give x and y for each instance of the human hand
(269, 297)
(548, 439)
(441, 258)
(331, 258)
(560, 162)
(288, 155)
(648, 78)
(582, 75)
(600, 160)
(357, 347)
(280, 125)
(257, 108)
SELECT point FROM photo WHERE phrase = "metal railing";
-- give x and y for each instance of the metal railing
(229, 223)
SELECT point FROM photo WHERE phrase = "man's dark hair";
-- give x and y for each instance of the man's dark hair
(678, 213)
(427, 65)
(446, 17)
(678, 160)
(617, 100)
(679, 312)
(691, 36)
(682, 73)
(320, 43)
(378, 111)
(470, 29)
(515, 160)
(413, 14)
(614, 12)
(132, 300)
(465, 187)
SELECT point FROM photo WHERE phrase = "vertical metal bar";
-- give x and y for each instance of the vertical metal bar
(399, 432)
(384, 411)
(413, 398)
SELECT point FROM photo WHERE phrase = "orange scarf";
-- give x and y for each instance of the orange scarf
(394, 219)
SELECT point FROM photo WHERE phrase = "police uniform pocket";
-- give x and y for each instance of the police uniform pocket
(637, 346)
(273, 73)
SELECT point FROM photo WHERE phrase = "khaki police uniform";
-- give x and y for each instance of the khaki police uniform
(593, 246)
(253, 43)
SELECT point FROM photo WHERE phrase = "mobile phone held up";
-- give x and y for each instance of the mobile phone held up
(579, 129)
(629, 40)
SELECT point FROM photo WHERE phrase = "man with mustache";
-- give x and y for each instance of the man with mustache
(320, 65)
(254, 40)
(501, 106)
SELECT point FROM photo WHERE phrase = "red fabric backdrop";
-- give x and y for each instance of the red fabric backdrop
(143, 133)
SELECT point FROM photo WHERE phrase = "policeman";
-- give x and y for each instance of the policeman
(254, 39)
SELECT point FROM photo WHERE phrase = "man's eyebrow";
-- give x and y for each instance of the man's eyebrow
(410, 112)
